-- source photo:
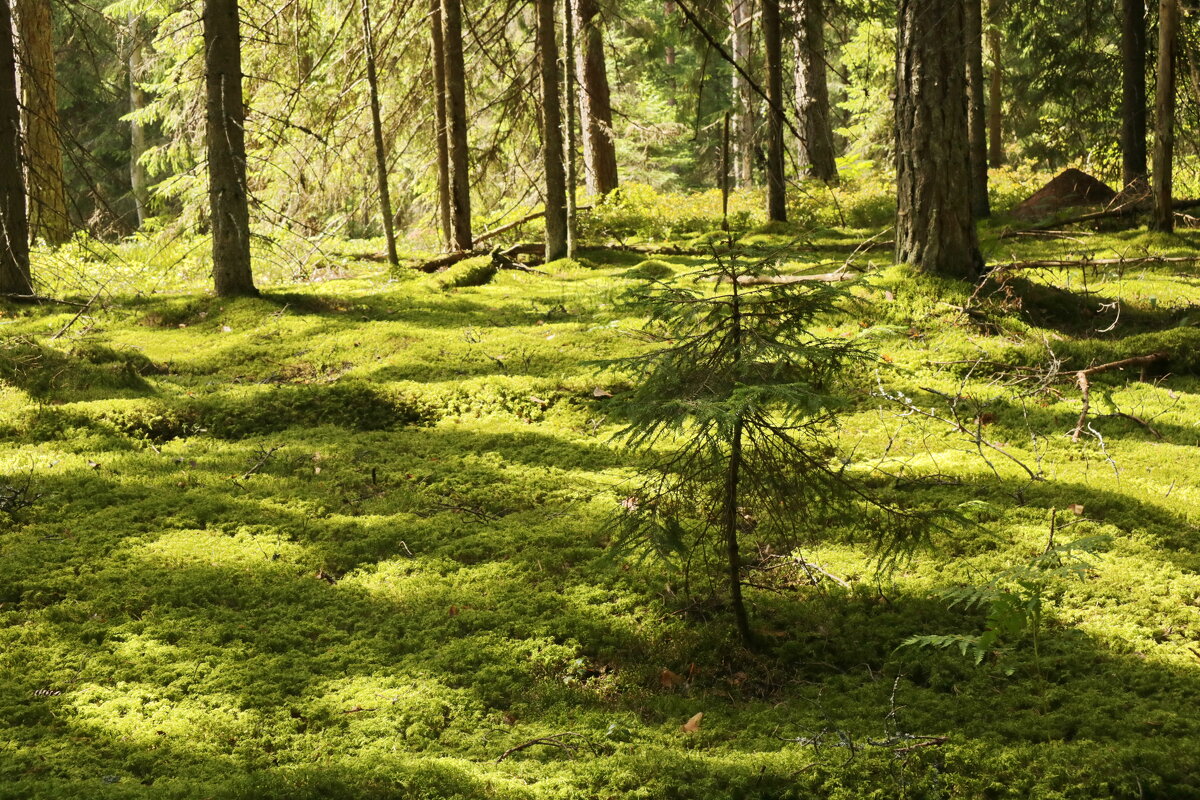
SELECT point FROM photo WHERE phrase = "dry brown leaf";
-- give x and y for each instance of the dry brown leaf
(1076, 509)
(454, 611)
(693, 724)
(598, 392)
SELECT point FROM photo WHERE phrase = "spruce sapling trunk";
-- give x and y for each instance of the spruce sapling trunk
(732, 553)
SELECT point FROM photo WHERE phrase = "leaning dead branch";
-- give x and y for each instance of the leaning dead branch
(1085, 386)
(568, 742)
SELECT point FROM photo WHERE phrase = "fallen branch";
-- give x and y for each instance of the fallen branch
(1128, 210)
(554, 740)
(784, 280)
(1085, 386)
(1056, 263)
(483, 237)
(450, 259)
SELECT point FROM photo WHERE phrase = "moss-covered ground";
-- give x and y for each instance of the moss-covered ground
(351, 540)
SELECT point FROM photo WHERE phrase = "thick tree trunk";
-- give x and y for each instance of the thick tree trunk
(995, 86)
(934, 228)
(43, 143)
(595, 104)
(977, 110)
(227, 192)
(1133, 92)
(816, 155)
(773, 47)
(1164, 115)
(741, 14)
(552, 138)
(381, 167)
(138, 180)
(456, 117)
(14, 226)
(439, 121)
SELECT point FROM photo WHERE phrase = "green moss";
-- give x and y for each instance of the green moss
(468, 272)
(650, 270)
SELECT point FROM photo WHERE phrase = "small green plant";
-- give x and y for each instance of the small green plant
(1015, 600)
(736, 398)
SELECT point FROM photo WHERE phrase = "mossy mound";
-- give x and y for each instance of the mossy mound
(650, 270)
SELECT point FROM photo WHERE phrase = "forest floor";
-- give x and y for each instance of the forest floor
(351, 540)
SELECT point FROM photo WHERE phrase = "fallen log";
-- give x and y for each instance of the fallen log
(1127, 210)
(784, 280)
(450, 259)
(1058, 263)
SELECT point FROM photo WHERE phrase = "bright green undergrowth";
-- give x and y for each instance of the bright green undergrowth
(351, 540)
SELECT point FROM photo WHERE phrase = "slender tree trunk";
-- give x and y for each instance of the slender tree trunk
(977, 110)
(816, 154)
(1164, 113)
(733, 558)
(773, 46)
(138, 181)
(995, 86)
(568, 96)
(439, 121)
(14, 226)
(595, 105)
(456, 117)
(39, 83)
(227, 190)
(934, 228)
(1133, 92)
(552, 138)
(381, 167)
(741, 14)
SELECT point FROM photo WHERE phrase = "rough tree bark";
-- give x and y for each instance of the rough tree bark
(456, 117)
(935, 231)
(595, 104)
(381, 167)
(977, 110)
(227, 190)
(815, 155)
(552, 138)
(439, 121)
(14, 226)
(741, 15)
(572, 176)
(773, 47)
(995, 86)
(1133, 92)
(138, 180)
(1164, 115)
(43, 142)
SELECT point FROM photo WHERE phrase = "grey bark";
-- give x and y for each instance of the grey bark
(439, 121)
(1164, 115)
(552, 138)
(935, 230)
(995, 86)
(14, 226)
(773, 47)
(138, 180)
(977, 110)
(227, 190)
(595, 104)
(816, 153)
(381, 167)
(456, 117)
(1133, 92)
(741, 14)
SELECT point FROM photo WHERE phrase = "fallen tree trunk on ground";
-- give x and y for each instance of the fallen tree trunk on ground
(450, 259)
(1114, 213)
(1055, 263)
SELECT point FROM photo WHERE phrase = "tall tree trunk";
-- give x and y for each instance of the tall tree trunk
(227, 191)
(935, 231)
(552, 138)
(439, 121)
(773, 47)
(14, 226)
(138, 181)
(995, 86)
(569, 103)
(456, 117)
(815, 156)
(595, 105)
(43, 142)
(1133, 92)
(741, 13)
(977, 110)
(1164, 113)
(381, 167)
